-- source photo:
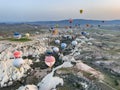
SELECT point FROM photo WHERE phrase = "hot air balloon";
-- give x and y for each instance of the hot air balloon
(63, 45)
(52, 28)
(66, 27)
(17, 35)
(27, 35)
(74, 43)
(18, 62)
(70, 26)
(70, 31)
(84, 33)
(81, 11)
(87, 25)
(55, 32)
(49, 52)
(70, 20)
(57, 41)
(99, 25)
(56, 49)
(102, 21)
(17, 54)
(56, 25)
(49, 61)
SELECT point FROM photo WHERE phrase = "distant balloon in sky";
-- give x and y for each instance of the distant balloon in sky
(49, 61)
(18, 62)
(17, 54)
(81, 11)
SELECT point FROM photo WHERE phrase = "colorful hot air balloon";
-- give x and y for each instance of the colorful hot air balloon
(49, 61)
(18, 62)
(74, 43)
(56, 49)
(84, 33)
(49, 52)
(17, 35)
(17, 54)
(55, 32)
(63, 45)
(57, 41)
(70, 20)
(81, 11)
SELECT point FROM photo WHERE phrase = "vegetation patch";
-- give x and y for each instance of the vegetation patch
(19, 40)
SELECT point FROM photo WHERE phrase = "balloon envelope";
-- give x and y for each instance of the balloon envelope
(18, 62)
(57, 41)
(70, 20)
(17, 54)
(17, 35)
(74, 43)
(87, 25)
(81, 11)
(55, 32)
(56, 49)
(84, 33)
(63, 45)
(49, 61)
(27, 34)
(49, 51)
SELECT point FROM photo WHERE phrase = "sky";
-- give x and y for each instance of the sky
(53, 10)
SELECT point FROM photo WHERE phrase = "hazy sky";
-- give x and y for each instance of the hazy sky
(43, 10)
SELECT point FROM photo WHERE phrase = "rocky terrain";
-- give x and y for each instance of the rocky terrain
(93, 64)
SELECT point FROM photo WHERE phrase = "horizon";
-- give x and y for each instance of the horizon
(52, 10)
(59, 20)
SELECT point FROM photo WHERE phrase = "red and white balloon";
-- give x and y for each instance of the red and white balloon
(17, 54)
(49, 61)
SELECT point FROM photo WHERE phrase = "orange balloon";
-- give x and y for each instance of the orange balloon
(55, 32)
(49, 61)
